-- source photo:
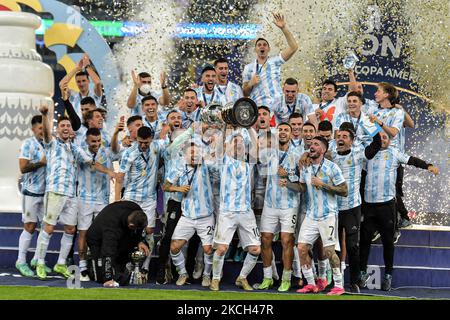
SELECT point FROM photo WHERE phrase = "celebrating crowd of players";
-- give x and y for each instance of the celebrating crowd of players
(311, 173)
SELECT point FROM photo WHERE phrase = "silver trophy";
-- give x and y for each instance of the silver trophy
(242, 113)
(137, 277)
(350, 61)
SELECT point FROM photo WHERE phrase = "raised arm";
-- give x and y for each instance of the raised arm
(391, 131)
(46, 126)
(72, 73)
(98, 90)
(340, 189)
(353, 84)
(115, 137)
(164, 100)
(287, 53)
(131, 102)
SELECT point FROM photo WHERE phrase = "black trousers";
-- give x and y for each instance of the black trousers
(401, 209)
(378, 217)
(350, 221)
(173, 215)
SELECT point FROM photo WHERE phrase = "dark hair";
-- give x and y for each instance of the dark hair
(145, 132)
(93, 132)
(82, 73)
(37, 119)
(261, 39)
(132, 119)
(144, 75)
(329, 81)
(291, 81)
(356, 94)
(87, 100)
(208, 68)
(349, 127)
(325, 126)
(190, 90)
(172, 111)
(265, 108)
(90, 115)
(284, 124)
(295, 115)
(63, 118)
(307, 123)
(392, 91)
(138, 218)
(323, 140)
(220, 60)
(149, 97)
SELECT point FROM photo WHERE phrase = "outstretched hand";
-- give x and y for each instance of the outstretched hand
(279, 20)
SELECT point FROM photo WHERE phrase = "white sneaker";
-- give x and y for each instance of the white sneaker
(84, 278)
(206, 281)
(198, 271)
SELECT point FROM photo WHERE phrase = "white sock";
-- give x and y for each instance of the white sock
(42, 246)
(313, 266)
(327, 261)
(274, 268)
(249, 264)
(178, 261)
(83, 265)
(323, 269)
(337, 276)
(267, 272)
(208, 258)
(66, 245)
(343, 267)
(151, 243)
(309, 275)
(287, 275)
(217, 265)
(24, 244)
(297, 269)
(199, 255)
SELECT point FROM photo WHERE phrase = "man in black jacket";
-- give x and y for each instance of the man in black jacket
(113, 235)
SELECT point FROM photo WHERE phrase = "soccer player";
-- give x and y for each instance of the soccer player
(308, 133)
(323, 182)
(379, 208)
(92, 189)
(227, 91)
(83, 84)
(92, 119)
(207, 93)
(151, 117)
(191, 112)
(262, 78)
(192, 178)
(32, 164)
(350, 158)
(296, 123)
(142, 88)
(330, 106)
(235, 207)
(140, 164)
(280, 207)
(59, 199)
(325, 130)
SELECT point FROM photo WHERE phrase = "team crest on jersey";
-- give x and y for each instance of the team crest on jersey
(386, 156)
(349, 162)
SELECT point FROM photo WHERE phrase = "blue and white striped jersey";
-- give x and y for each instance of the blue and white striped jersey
(61, 167)
(381, 175)
(351, 165)
(198, 202)
(33, 150)
(187, 120)
(392, 117)
(235, 185)
(361, 135)
(137, 110)
(80, 138)
(321, 204)
(303, 105)
(212, 98)
(94, 186)
(269, 86)
(170, 162)
(155, 125)
(76, 97)
(141, 170)
(229, 93)
(282, 197)
(369, 106)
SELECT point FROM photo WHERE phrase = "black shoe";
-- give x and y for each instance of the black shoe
(387, 281)
(161, 276)
(354, 288)
(364, 278)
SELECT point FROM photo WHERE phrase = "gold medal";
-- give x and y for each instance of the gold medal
(144, 173)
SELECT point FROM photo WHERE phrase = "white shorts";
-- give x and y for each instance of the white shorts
(244, 222)
(326, 229)
(32, 209)
(186, 227)
(87, 213)
(300, 220)
(272, 219)
(149, 207)
(58, 206)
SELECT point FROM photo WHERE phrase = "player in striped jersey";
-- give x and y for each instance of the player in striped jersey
(235, 207)
(191, 112)
(379, 209)
(32, 164)
(296, 123)
(330, 106)
(151, 116)
(142, 88)
(350, 158)
(140, 163)
(280, 207)
(207, 93)
(323, 182)
(93, 189)
(226, 90)
(59, 200)
(262, 78)
(192, 178)
(308, 133)
(92, 119)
